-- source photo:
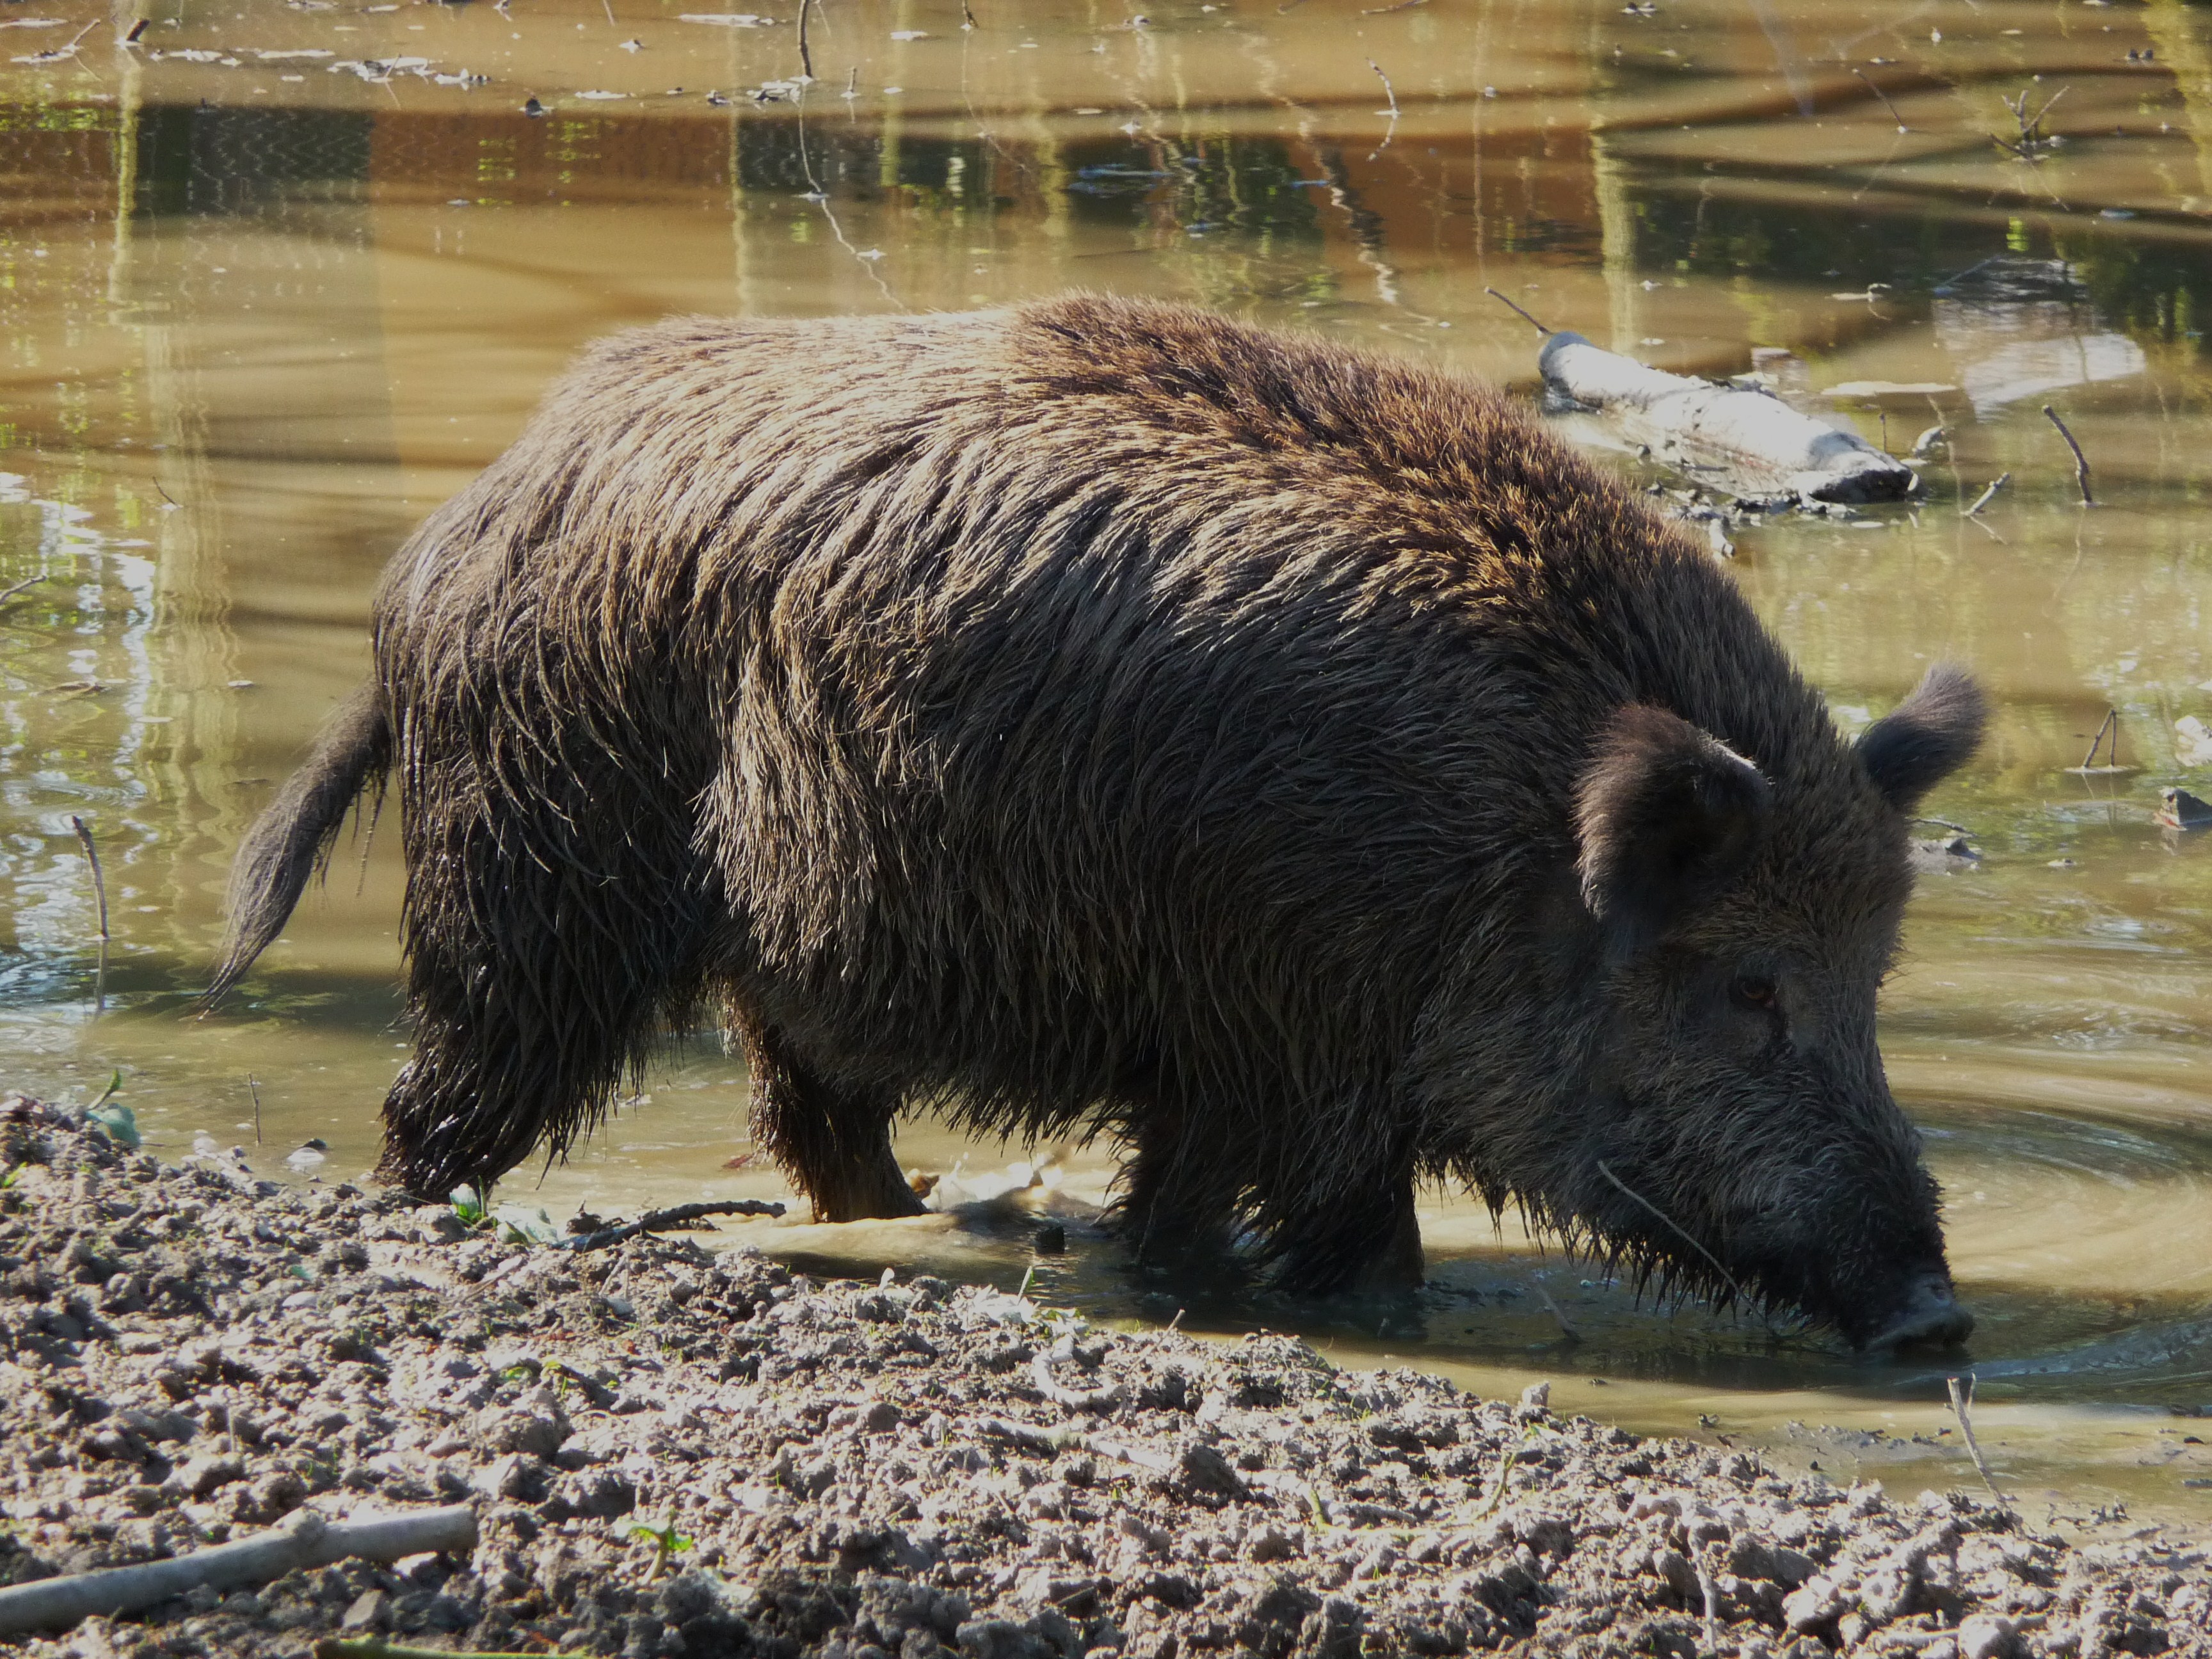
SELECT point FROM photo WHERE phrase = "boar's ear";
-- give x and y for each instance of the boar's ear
(1925, 739)
(1667, 816)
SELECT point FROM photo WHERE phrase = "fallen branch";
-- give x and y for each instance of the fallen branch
(1962, 1404)
(2080, 461)
(656, 1221)
(306, 1540)
(99, 892)
(1753, 437)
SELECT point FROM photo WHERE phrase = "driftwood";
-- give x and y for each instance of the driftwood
(1747, 442)
(306, 1540)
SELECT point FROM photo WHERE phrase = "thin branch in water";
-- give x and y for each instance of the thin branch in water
(805, 56)
(1389, 91)
(1687, 1237)
(100, 892)
(2080, 461)
(8, 593)
(967, 17)
(2110, 724)
(1886, 104)
(1384, 11)
(1987, 496)
(1517, 310)
(610, 5)
(1962, 1407)
(254, 1089)
(1566, 1326)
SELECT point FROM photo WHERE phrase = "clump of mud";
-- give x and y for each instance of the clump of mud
(678, 1453)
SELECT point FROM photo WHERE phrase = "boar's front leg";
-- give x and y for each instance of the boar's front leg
(1180, 1195)
(835, 1143)
(1360, 1237)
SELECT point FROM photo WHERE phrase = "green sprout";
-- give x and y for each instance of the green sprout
(666, 1540)
(468, 1206)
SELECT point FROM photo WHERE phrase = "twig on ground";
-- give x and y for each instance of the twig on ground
(1962, 1407)
(1687, 1237)
(2080, 461)
(655, 1221)
(1712, 1599)
(99, 893)
(376, 1647)
(1886, 104)
(1987, 496)
(1516, 311)
(1389, 91)
(806, 54)
(306, 1540)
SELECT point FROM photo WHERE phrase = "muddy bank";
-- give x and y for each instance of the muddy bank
(677, 1453)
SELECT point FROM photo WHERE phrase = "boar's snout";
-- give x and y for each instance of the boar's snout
(1929, 1316)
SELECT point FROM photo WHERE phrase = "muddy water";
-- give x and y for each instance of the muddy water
(278, 277)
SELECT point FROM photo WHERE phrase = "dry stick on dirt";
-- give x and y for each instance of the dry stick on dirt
(99, 893)
(805, 57)
(1962, 1406)
(1516, 311)
(1987, 495)
(2080, 461)
(306, 1540)
(1886, 104)
(1689, 1239)
(656, 1221)
(375, 1647)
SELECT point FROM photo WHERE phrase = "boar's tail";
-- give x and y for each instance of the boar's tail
(292, 840)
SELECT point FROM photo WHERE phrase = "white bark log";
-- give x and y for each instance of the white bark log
(306, 1540)
(1761, 444)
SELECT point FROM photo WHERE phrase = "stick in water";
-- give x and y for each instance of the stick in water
(1389, 91)
(2111, 724)
(1886, 104)
(1987, 496)
(1687, 1237)
(656, 1221)
(1962, 1407)
(254, 1089)
(100, 892)
(805, 57)
(2080, 461)
(1516, 311)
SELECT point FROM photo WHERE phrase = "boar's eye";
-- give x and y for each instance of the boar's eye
(1754, 991)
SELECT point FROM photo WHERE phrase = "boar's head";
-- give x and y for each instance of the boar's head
(1738, 1130)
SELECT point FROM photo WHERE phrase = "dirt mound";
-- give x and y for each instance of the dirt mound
(674, 1452)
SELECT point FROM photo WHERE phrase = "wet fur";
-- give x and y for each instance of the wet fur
(1102, 715)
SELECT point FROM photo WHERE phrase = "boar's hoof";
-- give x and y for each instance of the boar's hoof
(1931, 1317)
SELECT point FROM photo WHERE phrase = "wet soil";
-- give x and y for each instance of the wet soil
(674, 1452)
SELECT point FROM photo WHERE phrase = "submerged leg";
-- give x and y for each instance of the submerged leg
(835, 1143)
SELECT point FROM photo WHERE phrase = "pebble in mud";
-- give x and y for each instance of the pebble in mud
(675, 1453)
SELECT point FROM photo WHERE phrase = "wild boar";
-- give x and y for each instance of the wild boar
(1099, 715)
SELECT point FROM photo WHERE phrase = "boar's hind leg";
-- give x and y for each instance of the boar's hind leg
(835, 1144)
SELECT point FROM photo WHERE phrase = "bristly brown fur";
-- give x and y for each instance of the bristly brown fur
(1103, 714)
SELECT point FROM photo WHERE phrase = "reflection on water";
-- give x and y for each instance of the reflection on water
(280, 279)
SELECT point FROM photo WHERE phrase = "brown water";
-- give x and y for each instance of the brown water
(270, 288)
